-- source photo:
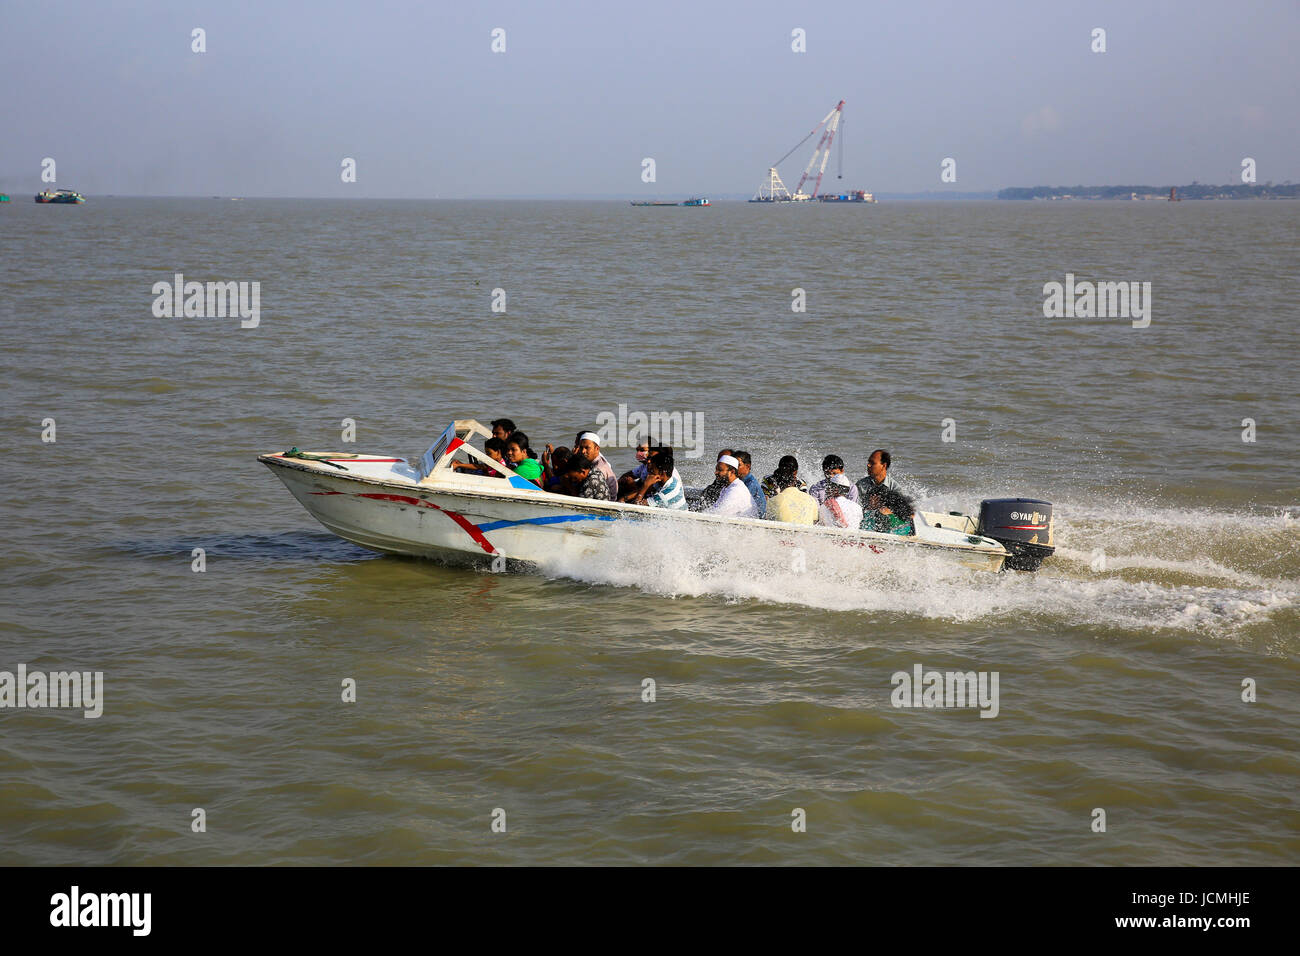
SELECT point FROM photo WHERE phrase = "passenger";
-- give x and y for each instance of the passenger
(521, 459)
(670, 495)
(789, 503)
(751, 481)
(554, 461)
(787, 466)
(877, 475)
(838, 510)
(587, 445)
(523, 443)
(831, 465)
(709, 496)
(496, 450)
(584, 480)
(735, 500)
(629, 483)
(653, 481)
(889, 511)
(502, 428)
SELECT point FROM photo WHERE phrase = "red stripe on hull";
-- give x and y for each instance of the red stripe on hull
(460, 519)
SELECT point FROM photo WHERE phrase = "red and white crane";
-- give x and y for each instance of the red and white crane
(829, 124)
(773, 190)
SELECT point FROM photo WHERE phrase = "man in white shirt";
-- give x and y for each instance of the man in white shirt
(838, 510)
(735, 501)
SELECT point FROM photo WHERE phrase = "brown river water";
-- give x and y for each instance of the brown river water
(1121, 664)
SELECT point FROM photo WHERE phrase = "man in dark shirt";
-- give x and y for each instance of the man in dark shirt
(786, 468)
(502, 428)
(877, 476)
(587, 445)
(585, 480)
(751, 481)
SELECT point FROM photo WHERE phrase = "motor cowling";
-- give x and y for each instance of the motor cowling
(1021, 525)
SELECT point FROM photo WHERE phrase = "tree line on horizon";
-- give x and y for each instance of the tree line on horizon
(1193, 191)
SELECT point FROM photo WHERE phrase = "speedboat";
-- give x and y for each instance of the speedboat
(426, 508)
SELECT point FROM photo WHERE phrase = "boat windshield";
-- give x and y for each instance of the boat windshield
(455, 441)
(430, 459)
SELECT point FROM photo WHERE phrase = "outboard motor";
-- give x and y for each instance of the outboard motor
(1021, 525)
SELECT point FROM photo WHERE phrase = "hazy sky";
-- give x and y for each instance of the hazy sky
(711, 90)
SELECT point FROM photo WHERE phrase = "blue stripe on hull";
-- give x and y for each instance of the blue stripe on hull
(550, 519)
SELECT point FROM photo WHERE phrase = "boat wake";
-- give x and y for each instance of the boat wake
(1152, 569)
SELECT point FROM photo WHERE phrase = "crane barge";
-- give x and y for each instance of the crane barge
(773, 190)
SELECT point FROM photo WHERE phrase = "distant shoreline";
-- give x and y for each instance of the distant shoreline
(1191, 191)
(1040, 193)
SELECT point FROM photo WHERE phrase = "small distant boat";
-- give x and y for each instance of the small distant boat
(60, 196)
(693, 201)
(4, 197)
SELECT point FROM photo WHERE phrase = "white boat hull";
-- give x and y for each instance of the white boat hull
(384, 504)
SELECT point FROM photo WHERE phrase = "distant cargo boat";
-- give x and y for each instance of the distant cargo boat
(4, 197)
(857, 195)
(660, 202)
(60, 196)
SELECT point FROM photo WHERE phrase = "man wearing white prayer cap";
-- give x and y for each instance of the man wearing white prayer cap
(735, 500)
(587, 444)
(709, 494)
